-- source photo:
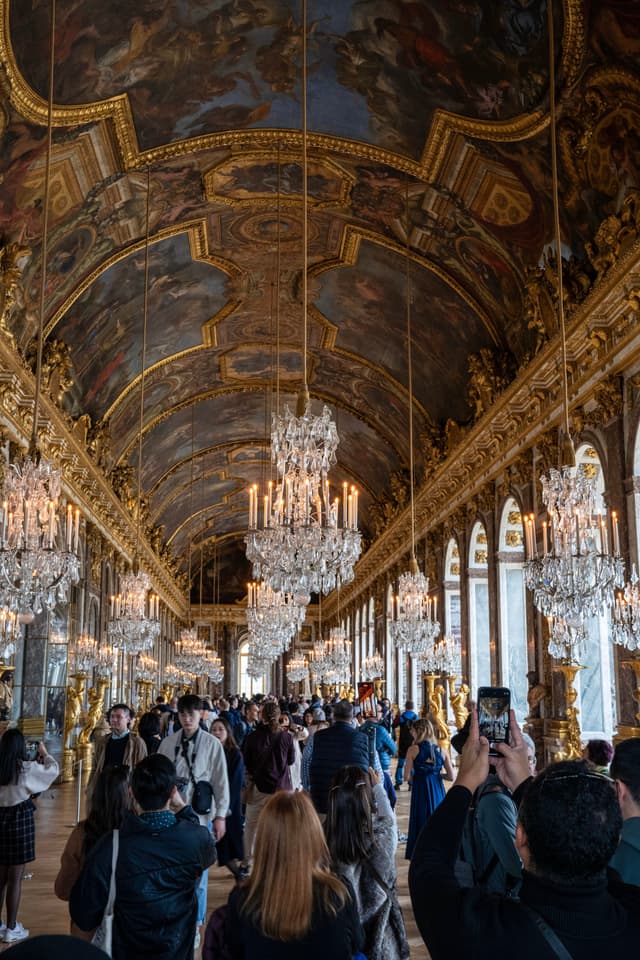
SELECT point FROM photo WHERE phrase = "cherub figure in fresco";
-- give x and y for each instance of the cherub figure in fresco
(419, 36)
(12, 261)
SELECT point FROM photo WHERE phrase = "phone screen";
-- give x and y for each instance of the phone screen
(493, 715)
(32, 749)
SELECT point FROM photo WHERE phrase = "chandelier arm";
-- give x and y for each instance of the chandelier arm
(45, 231)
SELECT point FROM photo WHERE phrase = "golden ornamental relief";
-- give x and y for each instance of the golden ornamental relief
(513, 538)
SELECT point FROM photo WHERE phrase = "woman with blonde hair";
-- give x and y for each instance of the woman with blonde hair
(316, 918)
(423, 770)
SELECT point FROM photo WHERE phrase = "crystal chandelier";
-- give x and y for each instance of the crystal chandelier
(576, 575)
(213, 667)
(39, 550)
(625, 620)
(297, 669)
(372, 667)
(338, 652)
(257, 666)
(272, 615)
(443, 657)
(303, 546)
(106, 661)
(567, 638)
(146, 668)
(84, 654)
(134, 623)
(414, 625)
(172, 674)
(37, 565)
(190, 651)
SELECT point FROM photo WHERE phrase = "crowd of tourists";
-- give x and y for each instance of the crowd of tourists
(295, 799)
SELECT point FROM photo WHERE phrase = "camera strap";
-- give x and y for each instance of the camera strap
(184, 745)
(552, 938)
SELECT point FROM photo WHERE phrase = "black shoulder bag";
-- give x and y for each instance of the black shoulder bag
(552, 938)
(202, 797)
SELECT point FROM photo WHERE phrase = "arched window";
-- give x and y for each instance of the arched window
(479, 639)
(513, 618)
(249, 686)
(389, 665)
(596, 682)
(452, 590)
(357, 656)
(372, 627)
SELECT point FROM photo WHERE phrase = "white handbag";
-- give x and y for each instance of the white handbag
(103, 936)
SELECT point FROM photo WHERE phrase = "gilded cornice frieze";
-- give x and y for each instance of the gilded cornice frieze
(84, 482)
(454, 482)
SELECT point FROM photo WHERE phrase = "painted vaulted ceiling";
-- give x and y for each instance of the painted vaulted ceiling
(428, 144)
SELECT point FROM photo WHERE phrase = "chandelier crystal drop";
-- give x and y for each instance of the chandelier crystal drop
(576, 575)
(625, 620)
(134, 623)
(414, 625)
(38, 549)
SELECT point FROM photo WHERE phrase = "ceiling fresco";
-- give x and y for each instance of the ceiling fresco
(428, 147)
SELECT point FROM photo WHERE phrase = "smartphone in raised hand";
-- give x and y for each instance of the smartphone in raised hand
(494, 704)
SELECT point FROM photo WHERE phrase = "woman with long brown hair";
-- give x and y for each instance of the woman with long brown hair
(423, 769)
(317, 917)
(268, 753)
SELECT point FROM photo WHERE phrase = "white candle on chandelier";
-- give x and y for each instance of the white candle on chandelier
(345, 488)
(76, 530)
(435, 608)
(544, 536)
(349, 522)
(112, 601)
(604, 544)
(355, 507)
(616, 534)
(270, 495)
(69, 526)
(265, 513)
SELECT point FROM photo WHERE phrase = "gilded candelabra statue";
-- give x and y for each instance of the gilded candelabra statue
(435, 694)
(73, 709)
(94, 714)
(458, 701)
(573, 745)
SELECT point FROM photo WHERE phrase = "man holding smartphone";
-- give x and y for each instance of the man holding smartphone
(568, 828)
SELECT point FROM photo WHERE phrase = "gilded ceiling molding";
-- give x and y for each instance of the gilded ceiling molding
(445, 125)
(198, 245)
(84, 482)
(286, 200)
(468, 469)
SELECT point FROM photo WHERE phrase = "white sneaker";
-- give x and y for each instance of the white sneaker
(16, 933)
(3, 930)
(196, 942)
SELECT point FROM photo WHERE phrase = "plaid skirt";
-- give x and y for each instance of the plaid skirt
(17, 833)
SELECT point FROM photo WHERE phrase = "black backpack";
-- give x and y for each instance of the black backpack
(469, 870)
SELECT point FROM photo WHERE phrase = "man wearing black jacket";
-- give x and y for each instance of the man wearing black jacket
(162, 853)
(568, 828)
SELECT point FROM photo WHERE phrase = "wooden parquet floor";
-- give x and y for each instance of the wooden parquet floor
(41, 912)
